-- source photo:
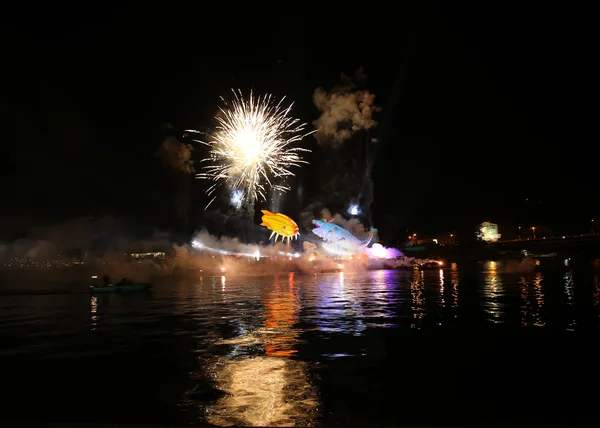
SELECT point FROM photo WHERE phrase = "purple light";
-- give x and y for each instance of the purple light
(380, 252)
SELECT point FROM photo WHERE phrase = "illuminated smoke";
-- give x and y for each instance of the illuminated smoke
(380, 252)
(353, 225)
(345, 111)
(176, 155)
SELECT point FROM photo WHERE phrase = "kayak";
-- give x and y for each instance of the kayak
(116, 288)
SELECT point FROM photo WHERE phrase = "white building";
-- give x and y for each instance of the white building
(488, 232)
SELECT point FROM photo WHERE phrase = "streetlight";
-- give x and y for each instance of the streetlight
(519, 232)
(533, 230)
(592, 225)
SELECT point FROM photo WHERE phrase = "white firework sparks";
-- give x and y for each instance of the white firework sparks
(251, 146)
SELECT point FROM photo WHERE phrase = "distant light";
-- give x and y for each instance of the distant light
(441, 263)
(94, 276)
(341, 266)
(197, 244)
(354, 209)
(222, 269)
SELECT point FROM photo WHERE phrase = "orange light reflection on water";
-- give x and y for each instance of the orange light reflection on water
(417, 300)
(270, 389)
(532, 301)
(454, 280)
(94, 311)
(281, 310)
(493, 290)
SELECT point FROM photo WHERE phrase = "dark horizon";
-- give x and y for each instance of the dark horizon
(483, 110)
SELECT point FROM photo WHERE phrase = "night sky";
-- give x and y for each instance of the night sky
(486, 109)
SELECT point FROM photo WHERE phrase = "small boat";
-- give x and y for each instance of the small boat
(117, 288)
(526, 253)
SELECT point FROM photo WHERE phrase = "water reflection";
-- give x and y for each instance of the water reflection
(263, 391)
(417, 300)
(254, 376)
(442, 288)
(281, 309)
(380, 299)
(532, 302)
(596, 298)
(454, 280)
(94, 312)
(338, 306)
(493, 290)
(269, 389)
(570, 293)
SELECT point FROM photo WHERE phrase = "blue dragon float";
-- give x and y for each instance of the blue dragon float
(338, 236)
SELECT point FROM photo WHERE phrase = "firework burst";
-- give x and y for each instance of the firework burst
(251, 147)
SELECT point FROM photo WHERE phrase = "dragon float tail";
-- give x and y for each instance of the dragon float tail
(367, 241)
(265, 212)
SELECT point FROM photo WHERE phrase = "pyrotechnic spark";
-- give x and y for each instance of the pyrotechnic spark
(251, 146)
(236, 198)
(255, 255)
(354, 209)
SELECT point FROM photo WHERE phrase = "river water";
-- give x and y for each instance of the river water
(469, 344)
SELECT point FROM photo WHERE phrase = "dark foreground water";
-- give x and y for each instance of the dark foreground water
(479, 344)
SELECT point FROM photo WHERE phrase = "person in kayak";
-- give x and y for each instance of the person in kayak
(125, 281)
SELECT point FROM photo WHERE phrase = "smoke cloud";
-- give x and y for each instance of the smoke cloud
(82, 248)
(176, 155)
(353, 225)
(96, 246)
(345, 110)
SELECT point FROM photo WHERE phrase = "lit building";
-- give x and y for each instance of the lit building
(446, 239)
(488, 232)
(155, 255)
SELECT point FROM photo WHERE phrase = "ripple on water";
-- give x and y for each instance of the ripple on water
(262, 351)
